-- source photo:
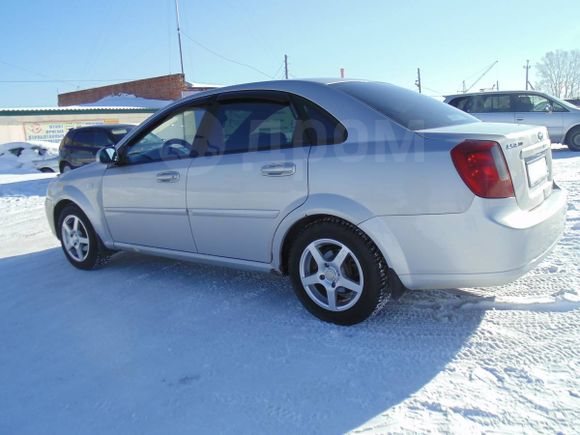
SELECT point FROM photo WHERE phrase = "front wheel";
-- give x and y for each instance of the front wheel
(337, 272)
(80, 243)
(573, 139)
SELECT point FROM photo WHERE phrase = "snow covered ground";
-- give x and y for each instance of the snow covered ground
(148, 345)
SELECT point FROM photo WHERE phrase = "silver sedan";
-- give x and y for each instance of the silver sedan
(356, 189)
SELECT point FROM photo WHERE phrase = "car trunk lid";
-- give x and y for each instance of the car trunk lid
(526, 150)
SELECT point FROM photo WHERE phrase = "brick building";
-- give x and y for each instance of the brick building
(169, 87)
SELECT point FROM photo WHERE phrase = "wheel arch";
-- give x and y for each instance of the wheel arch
(73, 196)
(351, 212)
(567, 134)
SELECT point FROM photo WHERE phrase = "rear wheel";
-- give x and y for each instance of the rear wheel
(573, 139)
(337, 272)
(80, 243)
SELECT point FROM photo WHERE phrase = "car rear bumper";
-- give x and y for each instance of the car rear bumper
(492, 243)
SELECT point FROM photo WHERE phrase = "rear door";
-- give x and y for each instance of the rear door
(251, 172)
(535, 109)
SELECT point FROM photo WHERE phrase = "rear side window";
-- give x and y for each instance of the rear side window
(497, 103)
(462, 103)
(408, 108)
(92, 138)
(320, 127)
(250, 125)
(83, 138)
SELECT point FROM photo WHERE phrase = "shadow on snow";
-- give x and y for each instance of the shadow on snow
(156, 346)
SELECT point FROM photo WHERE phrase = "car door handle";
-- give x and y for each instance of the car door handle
(168, 177)
(279, 169)
(519, 119)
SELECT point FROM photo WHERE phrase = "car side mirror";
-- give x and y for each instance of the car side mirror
(549, 108)
(107, 155)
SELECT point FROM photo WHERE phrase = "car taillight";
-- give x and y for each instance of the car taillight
(483, 168)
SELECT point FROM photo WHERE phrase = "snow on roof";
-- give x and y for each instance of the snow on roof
(128, 100)
(203, 85)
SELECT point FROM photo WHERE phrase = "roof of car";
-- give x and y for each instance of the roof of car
(470, 94)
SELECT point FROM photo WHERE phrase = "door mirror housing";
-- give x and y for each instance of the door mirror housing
(107, 155)
(549, 108)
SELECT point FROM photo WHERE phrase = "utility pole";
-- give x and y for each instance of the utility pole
(418, 81)
(527, 68)
(286, 66)
(179, 37)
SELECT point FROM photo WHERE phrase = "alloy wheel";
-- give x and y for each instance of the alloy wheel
(75, 238)
(331, 275)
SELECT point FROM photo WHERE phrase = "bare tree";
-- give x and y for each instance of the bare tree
(559, 73)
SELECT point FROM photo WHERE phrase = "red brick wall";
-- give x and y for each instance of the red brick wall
(157, 88)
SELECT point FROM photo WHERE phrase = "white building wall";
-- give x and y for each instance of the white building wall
(53, 127)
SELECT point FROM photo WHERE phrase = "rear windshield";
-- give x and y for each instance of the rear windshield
(119, 132)
(408, 108)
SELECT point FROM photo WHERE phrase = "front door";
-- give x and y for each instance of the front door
(535, 109)
(144, 196)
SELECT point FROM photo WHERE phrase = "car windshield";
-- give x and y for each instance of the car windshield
(408, 108)
(565, 103)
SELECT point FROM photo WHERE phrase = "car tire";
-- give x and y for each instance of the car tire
(65, 167)
(317, 272)
(573, 139)
(81, 244)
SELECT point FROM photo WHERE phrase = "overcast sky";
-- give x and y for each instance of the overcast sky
(51, 46)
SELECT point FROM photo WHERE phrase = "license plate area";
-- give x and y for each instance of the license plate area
(537, 170)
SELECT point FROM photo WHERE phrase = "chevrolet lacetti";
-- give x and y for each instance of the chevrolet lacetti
(355, 189)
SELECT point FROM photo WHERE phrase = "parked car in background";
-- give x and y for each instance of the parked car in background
(80, 145)
(525, 107)
(42, 156)
(353, 188)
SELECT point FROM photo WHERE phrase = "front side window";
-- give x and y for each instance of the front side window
(84, 138)
(172, 139)
(250, 125)
(536, 103)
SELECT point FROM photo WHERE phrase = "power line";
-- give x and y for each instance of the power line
(215, 53)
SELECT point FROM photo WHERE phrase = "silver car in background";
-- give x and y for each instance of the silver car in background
(525, 107)
(355, 189)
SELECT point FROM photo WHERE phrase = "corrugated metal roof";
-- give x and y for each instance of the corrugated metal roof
(71, 110)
